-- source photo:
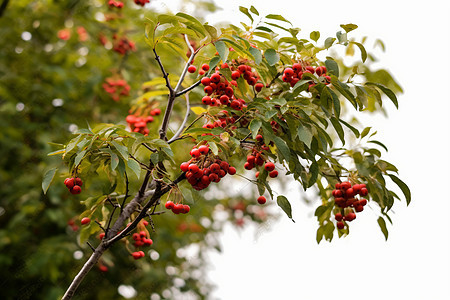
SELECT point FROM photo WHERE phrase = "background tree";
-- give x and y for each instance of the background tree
(84, 81)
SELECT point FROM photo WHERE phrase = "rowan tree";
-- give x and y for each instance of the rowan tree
(208, 106)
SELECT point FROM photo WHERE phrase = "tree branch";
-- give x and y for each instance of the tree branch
(183, 124)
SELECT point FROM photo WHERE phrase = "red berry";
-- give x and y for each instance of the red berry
(186, 208)
(155, 112)
(288, 72)
(141, 253)
(69, 182)
(208, 89)
(75, 190)
(345, 185)
(101, 236)
(259, 138)
(78, 181)
(215, 78)
(338, 217)
(178, 208)
(103, 268)
(194, 153)
(169, 205)
(251, 159)
(359, 208)
(261, 200)
(85, 221)
(205, 67)
(136, 255)
(235, 75)
(148, 242)
(350, 192)
(206, 81)
(203, 149)
(297, 67)
(136, 236)
(184, 166)
(231, 170)
(258, 87)
(364, 192)
(206, 100)
(340, 225)
(194, 168)
(273, 174)
(350, 217)
(248, 166)
(269, 166)
(363, 202)
(192, 69)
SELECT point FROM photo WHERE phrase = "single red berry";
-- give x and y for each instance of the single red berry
(101, 236)
(148, 242)
(273, 174)
(192, 69)
(75, 190)
(141, 253)
(85, 221)
(194, 168)
(155, 112)
(258, 87)
(194, 153)
(359, 208)
(208, 89)
(363, 202)
(340, 225)
(205, 67)
(78, 181)
(69, 182)
(338, 217)
(350, 217)
(364, 192)
(259, 138)
(136, 255)
(269, 166)
(288, 72)
(251, 159)
(257, 174)
(345, 185)
(103, 268)
(142, 233)
(203, 149)
(169, 205)
(215, 78)
(186, 208)
(177, 208)
(214, 167)
(350, 192)
(206, 100)
(136, 236)
(184, 166)
(235, 75)
(261, 200)
(297, 67)
(224, 165)
(206, 81)
(248, 166)
(231, 170)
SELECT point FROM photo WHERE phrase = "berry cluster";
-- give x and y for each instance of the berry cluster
(139, 124)
(220, 92)
(294, 74)
(116, 88)
(114, 3)
(204, 168)
(177, 208)
(141, 2)
(123, 45)
(140, 239)
(82, 34)
(344, 198)
(138, 254)
(256, 158)
(241, 69)
(222, 121)
(74, 185)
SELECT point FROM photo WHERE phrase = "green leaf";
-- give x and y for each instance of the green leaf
(213, 148)
(272, 56)
(253, 10)
(79, 157)
(256, 53)
(387, 91)
(135, 167)
(315, 35)
(283, 202)
(277, 17)
(403, 187)
(383, 228)
(349, 27)
(314, 172)
(123, 150)
(353, 129)
(254, 127)
(211, 30)
(114, 161)
(338, 127)
(305, 135)
(365, 131)
(222, 49)
(245, 12)
(213, 62)
(329, 42)
(363, 50)
(342, 37)
(194, 23)
(48, 178)
(332, 67)
(379, 144)
(283, 148)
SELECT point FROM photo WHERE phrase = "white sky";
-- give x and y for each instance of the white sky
(285, 262)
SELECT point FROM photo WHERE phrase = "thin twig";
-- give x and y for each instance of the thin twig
(89, 244)
(100, 225)
(188, 89)
(143, 166)
(183, 124)
(127, 183)
(148, 147)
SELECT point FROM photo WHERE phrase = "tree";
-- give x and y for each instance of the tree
(269, 98)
